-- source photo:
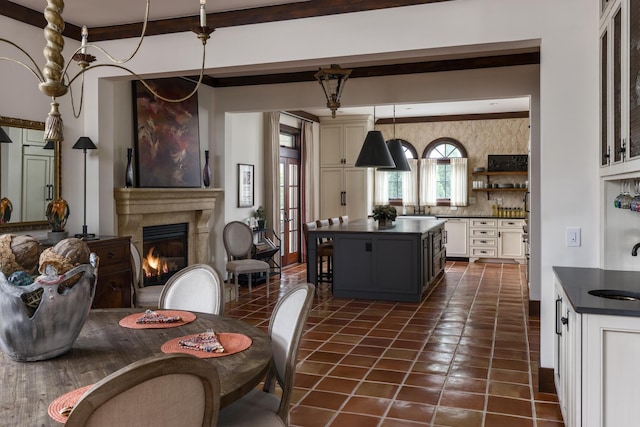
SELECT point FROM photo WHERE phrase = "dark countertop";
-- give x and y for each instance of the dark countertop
(578, 281)
(406, 226)
(459, 216)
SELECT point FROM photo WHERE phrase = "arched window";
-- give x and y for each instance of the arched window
(395, 178)
(443, 150)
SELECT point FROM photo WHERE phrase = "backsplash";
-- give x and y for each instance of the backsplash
(480, 138)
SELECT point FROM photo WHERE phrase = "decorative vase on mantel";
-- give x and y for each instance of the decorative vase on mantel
(206, 171)
(128, 177)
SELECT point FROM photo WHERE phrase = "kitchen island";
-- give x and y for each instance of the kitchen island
(393, 264)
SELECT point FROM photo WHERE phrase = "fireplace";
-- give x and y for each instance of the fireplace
(141, 208)
(164, 252)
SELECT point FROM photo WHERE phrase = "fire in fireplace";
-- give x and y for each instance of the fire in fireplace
(164, 252)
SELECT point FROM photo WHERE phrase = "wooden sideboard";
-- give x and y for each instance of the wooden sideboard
(113, 289)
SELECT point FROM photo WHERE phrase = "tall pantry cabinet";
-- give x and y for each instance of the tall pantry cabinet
(344, 188)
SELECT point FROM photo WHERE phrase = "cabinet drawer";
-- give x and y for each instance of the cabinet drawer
(484, 252)
(483, 232)
(511, 223)
(481, 241)
(112, 253)
(483, 222)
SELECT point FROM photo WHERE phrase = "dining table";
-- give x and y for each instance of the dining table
(104, 346)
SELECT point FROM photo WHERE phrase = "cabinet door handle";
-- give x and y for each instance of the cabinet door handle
(444, 237)
(558, 326)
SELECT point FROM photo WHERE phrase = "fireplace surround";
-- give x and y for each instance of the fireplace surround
(144, 207)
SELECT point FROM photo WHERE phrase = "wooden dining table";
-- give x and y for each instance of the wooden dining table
(104, 346)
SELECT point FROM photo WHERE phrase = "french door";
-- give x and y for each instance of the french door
(290, 205)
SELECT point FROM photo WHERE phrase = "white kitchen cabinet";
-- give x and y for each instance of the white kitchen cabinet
(483, 238)
(344, 189)
(596, 367)
(457, 237)
(619, 86)
(510, 244)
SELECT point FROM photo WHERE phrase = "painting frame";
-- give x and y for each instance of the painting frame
(166, 135)
(246, 185)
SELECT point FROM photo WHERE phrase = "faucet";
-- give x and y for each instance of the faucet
(634, 251)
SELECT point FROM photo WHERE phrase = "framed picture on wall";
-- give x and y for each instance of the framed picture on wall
(245, 185)
(167, 141)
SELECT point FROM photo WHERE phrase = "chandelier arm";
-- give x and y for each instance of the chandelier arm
(34, 69)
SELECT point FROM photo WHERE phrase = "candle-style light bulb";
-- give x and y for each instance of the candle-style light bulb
(203, 13)
(85, 36)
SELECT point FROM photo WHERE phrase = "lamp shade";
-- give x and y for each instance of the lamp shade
(4, 137)
(374, 152)
(84, 143)
(399, 158)
(50, 145)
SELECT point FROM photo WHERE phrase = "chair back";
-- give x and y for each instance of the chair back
(136, 265)
(168, 389)
(335, 220)
(322, 223)
(238, 240)
(285, 330)
(197, 287)
(344, 219)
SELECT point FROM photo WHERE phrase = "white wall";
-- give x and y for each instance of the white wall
(564, 113)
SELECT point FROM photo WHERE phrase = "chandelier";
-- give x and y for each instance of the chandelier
(54, 79)
(332, 81)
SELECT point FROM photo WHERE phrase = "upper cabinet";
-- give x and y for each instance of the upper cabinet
(619, 86)
(341, 141)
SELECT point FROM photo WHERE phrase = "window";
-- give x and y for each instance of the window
(395, 179)
(442, 150)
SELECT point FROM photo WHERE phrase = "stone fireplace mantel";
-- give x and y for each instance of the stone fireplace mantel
(142, 207)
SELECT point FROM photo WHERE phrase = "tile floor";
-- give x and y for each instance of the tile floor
(465, 356)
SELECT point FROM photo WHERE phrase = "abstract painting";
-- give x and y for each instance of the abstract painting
(167, 139)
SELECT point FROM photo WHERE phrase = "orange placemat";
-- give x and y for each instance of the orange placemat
(130, 320)
(64, 401)
(232, 343)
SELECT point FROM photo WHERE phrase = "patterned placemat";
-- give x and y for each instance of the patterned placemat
(130, 320)
(66, 400)
(232, 343)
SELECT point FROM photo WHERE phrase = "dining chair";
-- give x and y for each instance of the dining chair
(263, 407)
(145, 296)
(164, 390)
(238, 242)
(197, 287)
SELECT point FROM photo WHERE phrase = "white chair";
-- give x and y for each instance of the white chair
(145, 296)
(165, 390)
(264, 408)
(238, 242)
(197, 287)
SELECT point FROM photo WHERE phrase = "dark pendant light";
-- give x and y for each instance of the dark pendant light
(374, 152)
(4, 137)
(397, 151)
(50, 145)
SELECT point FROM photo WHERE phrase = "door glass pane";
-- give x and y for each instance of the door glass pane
(617, 90)
(634, 79)
(604, 76)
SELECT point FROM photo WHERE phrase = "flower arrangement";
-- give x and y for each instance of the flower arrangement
(384, 213)
(260, 213)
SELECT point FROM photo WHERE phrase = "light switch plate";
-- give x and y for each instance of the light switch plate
(573, 237)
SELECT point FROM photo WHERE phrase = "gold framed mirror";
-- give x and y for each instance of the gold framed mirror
(29, 174)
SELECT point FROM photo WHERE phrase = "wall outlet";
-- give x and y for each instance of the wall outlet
(573, 237)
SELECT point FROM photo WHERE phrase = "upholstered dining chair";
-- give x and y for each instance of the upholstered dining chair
(197, 287)
(164, 390)
(238, 242)
(263, 407)
(145, 296)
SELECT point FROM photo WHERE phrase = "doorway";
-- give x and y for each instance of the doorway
(289, 193)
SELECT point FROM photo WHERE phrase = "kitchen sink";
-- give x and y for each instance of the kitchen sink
(616, 294)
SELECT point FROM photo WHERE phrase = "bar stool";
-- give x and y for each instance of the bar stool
(323, 250)
(327, 253)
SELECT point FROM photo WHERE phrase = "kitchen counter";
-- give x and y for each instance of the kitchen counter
(433, 216)
(578, 281)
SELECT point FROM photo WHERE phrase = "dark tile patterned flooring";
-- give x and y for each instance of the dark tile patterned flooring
(467, 355)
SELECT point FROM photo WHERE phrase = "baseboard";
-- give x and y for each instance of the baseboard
(546, 384)
(534, 308)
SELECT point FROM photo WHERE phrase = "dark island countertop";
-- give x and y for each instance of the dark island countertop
(406, 226)
(578, 281)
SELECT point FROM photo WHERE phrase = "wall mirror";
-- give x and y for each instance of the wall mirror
(28, 174)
